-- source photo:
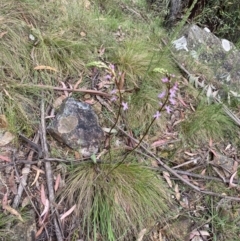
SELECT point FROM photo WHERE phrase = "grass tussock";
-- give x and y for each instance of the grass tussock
(115, 203)
(208, 121)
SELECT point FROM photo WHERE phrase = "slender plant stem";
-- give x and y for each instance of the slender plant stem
(148, 128)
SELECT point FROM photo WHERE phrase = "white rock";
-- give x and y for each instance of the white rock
(180, 43)
(207, 30)
(226, 45)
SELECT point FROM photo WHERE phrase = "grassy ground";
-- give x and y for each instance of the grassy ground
(46, 43)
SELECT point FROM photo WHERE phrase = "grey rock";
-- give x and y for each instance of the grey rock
(205, 54)
(76, 125)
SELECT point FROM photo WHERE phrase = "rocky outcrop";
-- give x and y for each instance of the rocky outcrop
(202, 53)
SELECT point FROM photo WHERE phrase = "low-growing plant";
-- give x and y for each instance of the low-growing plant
(208, 121)
(224, 219)
(4, 229)
(115, 204)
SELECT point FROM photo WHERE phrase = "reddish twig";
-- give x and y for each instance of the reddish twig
(95, 92)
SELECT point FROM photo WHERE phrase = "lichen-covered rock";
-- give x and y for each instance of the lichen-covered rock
(76, 125)
(203, 53)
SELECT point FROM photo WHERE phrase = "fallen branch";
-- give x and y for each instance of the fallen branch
(48, 170)
(202, 176)
(19, 194)
(173, 172)
(24, 178)
(20, 162)
(188, 173)
(94, 92)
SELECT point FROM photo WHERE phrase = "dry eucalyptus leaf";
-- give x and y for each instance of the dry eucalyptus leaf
(107, 130)
(154, 163)
(41, 67)
(77, 155)
(198, 233)
(57, 182)
(166, 175)
(90, 101)
(43, 195)
(13, 211)
(46, 208)
(68, 212)
(190, 154)
(177, 193)
(36, 177)
(3, 121)
(25, 202)
(25, 170)
(4, 200)
(6, 138)
(141, 234)
(5, 158)
(8, 95)
(39, 231)
(83, 34)
(3, 33)
(87, 4)
(197, 238)
(59, 101)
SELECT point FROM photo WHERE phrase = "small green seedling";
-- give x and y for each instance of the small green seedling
(94, 158)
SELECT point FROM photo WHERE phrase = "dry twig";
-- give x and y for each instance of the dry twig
(48, 171)
(95, 92)
(173, 172)
(23, 180)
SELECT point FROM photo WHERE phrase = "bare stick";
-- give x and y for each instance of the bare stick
(96, 92)
(23, 180)
(17, 198)
(48, 170)
(173, 172)
(159, 161)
